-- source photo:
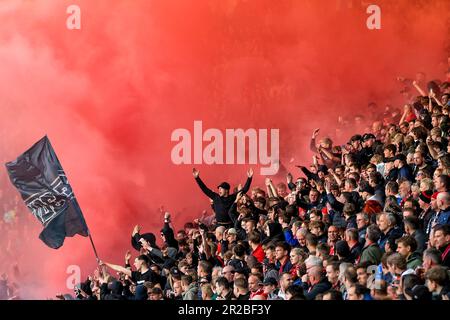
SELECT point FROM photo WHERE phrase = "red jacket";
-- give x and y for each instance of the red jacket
(259, 254)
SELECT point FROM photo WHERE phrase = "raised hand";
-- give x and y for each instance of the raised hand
(128, 256)
(316, 133)
(250, 173)
(195, 172)
(432, 94)
(238, 197)
(166, 215)
(136, 230)
(289, 178)
(268, 181)
(145, 244)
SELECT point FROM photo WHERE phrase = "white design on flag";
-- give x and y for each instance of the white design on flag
(47, 205)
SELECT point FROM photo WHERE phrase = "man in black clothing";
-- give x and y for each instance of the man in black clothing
(222, 200)
(142, 274)
(240, 289)
(369, 147)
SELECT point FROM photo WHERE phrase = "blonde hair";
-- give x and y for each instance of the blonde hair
(207, 290)
(436, 132)
(398, 138)
(377, 158)
(427, 183)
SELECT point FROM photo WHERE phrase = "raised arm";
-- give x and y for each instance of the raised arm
(432, 151)
(206, 247)
(316, 161)
(290, 184)
(432, 96)
(419, 89)
(338, 180)
(402, 119)
(208, 192)
(248, 182)
(271, 191)
(309, 175)
(117, 268)
(329, 155)
(334, 203)
(312, 144)
(232, 212)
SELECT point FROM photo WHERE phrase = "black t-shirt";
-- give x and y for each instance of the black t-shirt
(147, 276)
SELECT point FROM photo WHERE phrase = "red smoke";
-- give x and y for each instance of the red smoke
(109, 95)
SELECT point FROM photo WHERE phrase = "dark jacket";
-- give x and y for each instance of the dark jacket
(141, 293)
(114, 294)
(362, 235)
(244, 296)
(286, 267)
(355, 252)
(421, 240)
(405, 172)
(222, 205)
(169, 235)
(275, 233)
(351, 222)
(312, 291)
(391, 235)
(445, 255)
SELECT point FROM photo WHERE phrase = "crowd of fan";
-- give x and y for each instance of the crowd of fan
(368, 221)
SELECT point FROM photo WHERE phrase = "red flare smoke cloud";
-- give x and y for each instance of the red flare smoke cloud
(110, 95)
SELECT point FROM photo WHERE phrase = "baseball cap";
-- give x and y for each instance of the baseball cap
(368, 136)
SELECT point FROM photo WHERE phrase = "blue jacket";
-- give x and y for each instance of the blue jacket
(289, 238)
(405, 172)
(444, 217)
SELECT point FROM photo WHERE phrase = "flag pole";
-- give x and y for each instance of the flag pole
(93, 246)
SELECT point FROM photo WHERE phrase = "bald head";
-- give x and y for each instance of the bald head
(313, 261)
(220, 229)
(315, 274)
(443, 200)
(227, 269)
(315, 271)
(219, 232)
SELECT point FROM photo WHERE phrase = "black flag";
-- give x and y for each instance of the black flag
(41, 181)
